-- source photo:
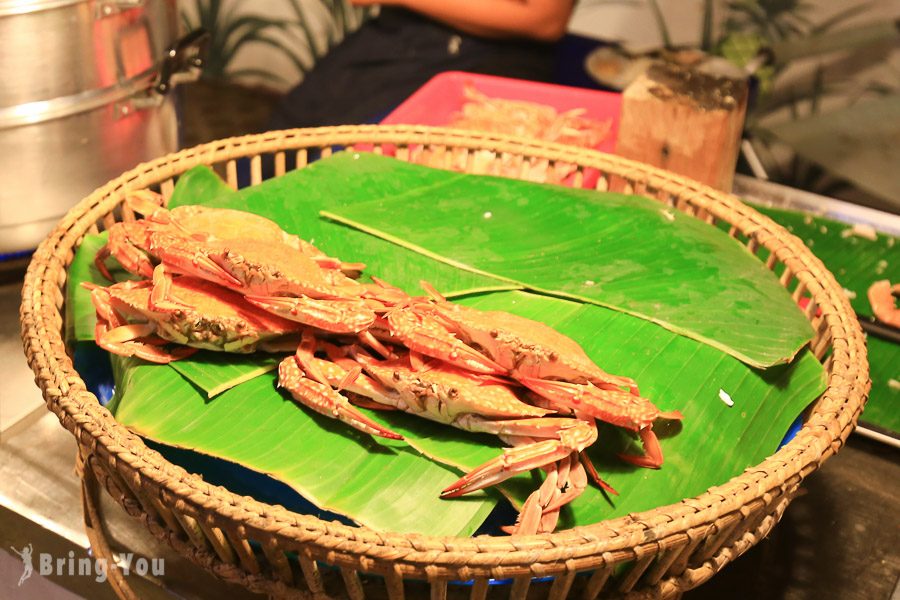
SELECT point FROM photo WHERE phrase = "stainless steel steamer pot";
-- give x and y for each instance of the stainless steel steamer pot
(79, 103)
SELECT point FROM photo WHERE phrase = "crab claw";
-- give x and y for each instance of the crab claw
(425, 335)
(325, 400)
(618, 407)
(611, 406)
(148, 203)
(183, 257)
(336, 316)
(136, 340)
(124, 245)
(653, 457)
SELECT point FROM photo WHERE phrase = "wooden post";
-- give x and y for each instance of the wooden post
(685, 121)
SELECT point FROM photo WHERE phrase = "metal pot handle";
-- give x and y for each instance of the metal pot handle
(182, 61)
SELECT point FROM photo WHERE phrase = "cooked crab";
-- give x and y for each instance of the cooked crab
(137, 318)
(130, 242)
(252, 266)
(548, 363)
(453, 396)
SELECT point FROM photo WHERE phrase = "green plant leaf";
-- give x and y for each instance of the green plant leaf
(216, 372)
(884, 397)
(624, 252)
(855, 261)
(197, 184)
(80, 313)
(383, 485)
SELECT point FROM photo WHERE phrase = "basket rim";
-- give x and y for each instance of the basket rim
(830, 421)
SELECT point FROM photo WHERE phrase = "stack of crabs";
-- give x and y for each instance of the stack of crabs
(232, 281)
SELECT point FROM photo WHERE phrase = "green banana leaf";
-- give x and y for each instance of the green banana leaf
(884, 397)
(686, 276)
(216, 372)
(197, 184)
(857, 262)
(624, 252)
(80, 314)
(379, 483)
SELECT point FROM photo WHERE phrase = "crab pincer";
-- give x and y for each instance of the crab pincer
(616, 406)
(336, 315)
(422, 333)
(883, 300)
(305, 378)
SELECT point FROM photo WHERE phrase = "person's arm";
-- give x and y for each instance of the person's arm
(544, 20)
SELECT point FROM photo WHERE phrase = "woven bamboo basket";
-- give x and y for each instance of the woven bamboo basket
(266, 548)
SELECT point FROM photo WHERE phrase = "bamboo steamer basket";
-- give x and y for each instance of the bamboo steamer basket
(266, 548)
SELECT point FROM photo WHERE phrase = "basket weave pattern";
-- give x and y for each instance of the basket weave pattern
(660, 552)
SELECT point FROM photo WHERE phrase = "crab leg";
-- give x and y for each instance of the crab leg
(342, 373)
(114, 335)
(160, 296)
(585, 460)
(532, 516)
(126, 252)
(327, 262)
(325, 400)
(384, 292)
(595, 476)
(621, 408)
(125, 341)
(565, 481)
(571, 435)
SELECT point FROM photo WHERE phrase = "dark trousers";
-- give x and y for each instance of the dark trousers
(388, 58)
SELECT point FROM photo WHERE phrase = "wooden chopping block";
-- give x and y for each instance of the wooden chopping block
(685, 121)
